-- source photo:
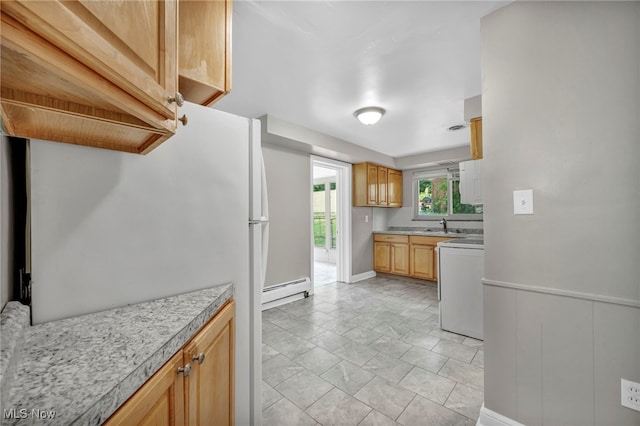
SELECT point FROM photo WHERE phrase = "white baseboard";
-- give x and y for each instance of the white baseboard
(491, 418)
(363, 276)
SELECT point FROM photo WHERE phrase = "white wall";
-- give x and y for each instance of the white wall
(362, 239)
(561, 116)
(289, 187)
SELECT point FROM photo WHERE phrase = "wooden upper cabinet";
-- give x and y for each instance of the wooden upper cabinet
(94, 73)
(375, 185)
(210, 387)
(383, 174)
(476, 138)
(372, 184)
(394, 188)
(204, 63)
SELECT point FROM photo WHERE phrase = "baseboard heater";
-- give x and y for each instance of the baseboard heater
(281, 294)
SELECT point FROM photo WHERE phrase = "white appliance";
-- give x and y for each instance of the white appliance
(111, 229)
(460, 273)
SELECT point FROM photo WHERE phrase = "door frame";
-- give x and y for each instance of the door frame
(343, 215)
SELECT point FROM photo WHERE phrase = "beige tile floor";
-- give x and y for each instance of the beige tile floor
(369, 353)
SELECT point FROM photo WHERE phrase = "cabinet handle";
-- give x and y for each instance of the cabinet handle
(186, 370)
(184, 120)
(178, 99)
(199, 358)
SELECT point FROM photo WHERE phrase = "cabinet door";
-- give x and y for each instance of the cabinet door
(209, 395)
(160, 401)
(471, 182)
(400, 259)
(476, 138)
(422, 262)
(394, 188)
(381, 257)
(372, 184)
(382, 186)
(79, 72)
(204, 63)
(130, 43)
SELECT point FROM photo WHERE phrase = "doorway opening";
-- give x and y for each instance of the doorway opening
(331, 220)
(324, 226)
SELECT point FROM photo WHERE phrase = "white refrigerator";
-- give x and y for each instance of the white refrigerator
(110, 229)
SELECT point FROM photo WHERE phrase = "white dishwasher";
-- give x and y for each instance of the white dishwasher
(460, 273)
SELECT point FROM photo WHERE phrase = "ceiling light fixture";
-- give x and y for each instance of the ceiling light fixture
(369, 115)
(457, 127)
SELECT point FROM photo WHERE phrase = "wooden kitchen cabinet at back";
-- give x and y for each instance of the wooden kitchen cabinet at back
(98, 73)
(408, 255)
(391, 254)
(195, 387)
(376, 186)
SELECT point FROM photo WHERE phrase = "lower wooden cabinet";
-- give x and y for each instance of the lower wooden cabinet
(195, 387)
(408, 255)
(209, 388)
(391, 254)
(423, 264)
(159, 402)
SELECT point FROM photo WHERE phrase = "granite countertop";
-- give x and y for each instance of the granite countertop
(439, 234)
(83, 368)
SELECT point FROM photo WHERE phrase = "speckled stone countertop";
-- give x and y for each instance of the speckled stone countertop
(428, 232)
(84, 368)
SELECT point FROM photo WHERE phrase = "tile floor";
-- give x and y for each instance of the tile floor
(368, 353)
(324, 273)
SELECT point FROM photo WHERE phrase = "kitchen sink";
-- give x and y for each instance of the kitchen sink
(435, 233)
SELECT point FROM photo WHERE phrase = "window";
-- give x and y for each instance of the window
(438, 194)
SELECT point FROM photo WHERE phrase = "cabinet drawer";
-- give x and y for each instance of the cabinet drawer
(391, 238)
(432, 241)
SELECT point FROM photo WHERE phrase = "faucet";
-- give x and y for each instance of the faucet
(443, 222)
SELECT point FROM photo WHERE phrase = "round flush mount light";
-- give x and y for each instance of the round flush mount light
(369, 115)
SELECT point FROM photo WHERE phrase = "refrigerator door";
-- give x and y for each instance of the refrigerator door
(111, 229)
(258, 243)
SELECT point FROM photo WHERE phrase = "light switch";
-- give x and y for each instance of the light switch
(523, 201)
(366, 218)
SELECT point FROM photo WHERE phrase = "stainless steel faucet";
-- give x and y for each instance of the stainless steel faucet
(443, 222)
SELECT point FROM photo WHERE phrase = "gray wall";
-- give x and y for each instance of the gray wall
(289, 188)
(361, 240)
(5, 231)
(561, 116)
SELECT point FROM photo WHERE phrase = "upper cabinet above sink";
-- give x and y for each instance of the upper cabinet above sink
(105, 74)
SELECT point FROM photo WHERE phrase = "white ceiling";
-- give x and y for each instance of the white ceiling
(313, 63)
